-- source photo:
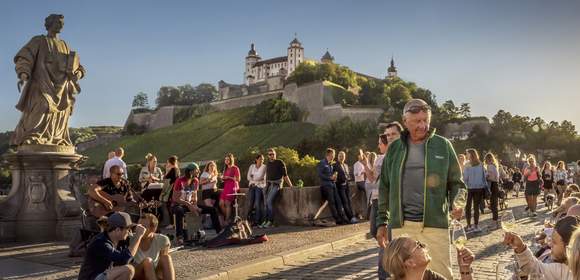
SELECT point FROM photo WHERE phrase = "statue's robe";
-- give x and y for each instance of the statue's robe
(48, 97)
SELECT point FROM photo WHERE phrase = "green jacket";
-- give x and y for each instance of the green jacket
(442, 181)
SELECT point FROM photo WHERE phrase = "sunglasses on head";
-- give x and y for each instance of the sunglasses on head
(418, 108)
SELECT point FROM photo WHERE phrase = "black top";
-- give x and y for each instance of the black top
(102, 254)
(172, 175)
(342, 174)
(109, 187)
(275, 170)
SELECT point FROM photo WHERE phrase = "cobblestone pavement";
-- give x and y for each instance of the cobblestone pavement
(359, 261)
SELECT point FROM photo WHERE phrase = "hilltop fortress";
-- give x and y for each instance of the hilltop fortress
(266, 79)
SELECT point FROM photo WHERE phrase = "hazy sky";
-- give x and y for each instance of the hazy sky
(521, 56)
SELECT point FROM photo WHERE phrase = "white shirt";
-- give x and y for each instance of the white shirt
(359, 172)
(112, 162)
(377, 171)
(257, 176)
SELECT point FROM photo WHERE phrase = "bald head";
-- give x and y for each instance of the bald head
(574, 210)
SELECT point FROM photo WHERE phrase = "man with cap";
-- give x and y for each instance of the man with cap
(420, 177)
(185, 200)
(104, 258)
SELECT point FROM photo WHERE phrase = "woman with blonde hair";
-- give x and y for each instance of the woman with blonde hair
(152, 260)
(408, 259)
(150, 178)
(573, 254)
(492, 176)
(475, 178)
(208, 182)
(532, 178)
(548, 178)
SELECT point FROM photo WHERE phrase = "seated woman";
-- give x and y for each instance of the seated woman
(561, 236)
(406, 258)
(152, 260)
(150, 174)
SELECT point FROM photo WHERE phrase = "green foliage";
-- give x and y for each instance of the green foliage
(275, 111)
(141, 100)
(340, 95)
(5, 141)
(186, 95)
(84, 134)
(308, 72)
(194, 111)
(135, 129)
(208, 137)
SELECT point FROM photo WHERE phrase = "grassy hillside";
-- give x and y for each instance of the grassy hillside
(207, 137)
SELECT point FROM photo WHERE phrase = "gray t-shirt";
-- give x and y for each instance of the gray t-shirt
(414, 183)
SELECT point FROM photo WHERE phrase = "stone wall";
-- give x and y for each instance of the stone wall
(299, 206)
(245, 101)
(98, 141)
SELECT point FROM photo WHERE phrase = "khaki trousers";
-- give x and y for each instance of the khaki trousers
(437, 241)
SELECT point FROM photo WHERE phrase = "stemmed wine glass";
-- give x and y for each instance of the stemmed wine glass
(460, 200)
(508, 221)
(459, 238)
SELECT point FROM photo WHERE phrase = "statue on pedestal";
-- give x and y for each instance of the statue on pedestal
(48, 72)
(42, 205)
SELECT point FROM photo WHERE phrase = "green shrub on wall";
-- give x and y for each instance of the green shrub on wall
(275, 111)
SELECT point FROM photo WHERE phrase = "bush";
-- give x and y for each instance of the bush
(135, 129)
(194, 111)
(275, 111)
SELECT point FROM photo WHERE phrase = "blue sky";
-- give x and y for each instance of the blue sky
(521, 56)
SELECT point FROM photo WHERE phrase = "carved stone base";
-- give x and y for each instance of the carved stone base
(40, 205)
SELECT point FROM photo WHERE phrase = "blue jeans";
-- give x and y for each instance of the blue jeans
(256, 200)
(271, 192)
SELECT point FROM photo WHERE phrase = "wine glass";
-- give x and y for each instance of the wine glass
(506, 270)
(459, 238)
(508, 221)
(460, 199)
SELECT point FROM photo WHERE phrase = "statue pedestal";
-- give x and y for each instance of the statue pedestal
(40, 206)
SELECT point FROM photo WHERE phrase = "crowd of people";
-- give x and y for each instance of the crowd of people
(410, 186)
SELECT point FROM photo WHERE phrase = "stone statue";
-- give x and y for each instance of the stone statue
(48, 71)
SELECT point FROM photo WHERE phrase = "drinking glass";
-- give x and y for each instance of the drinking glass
(459, 238)
(460, 199)
(506, 270)
(508, 221)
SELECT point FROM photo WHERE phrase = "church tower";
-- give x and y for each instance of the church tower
(251, 59)
(295, 55)
(392, 70)
(327, 58)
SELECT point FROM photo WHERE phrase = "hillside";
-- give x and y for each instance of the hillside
(206, 137)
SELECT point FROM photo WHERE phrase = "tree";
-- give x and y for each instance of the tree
(140, 100)
(167, 96)
(205, 93)
(464, 111)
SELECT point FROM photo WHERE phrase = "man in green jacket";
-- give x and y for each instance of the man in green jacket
(420, 176)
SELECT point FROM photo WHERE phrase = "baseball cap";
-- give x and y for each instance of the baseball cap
(119, 220)
(192, 166)
(416, 105)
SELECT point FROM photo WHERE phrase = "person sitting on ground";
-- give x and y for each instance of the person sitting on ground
(563, 208)
(574, 210)
(558, 270)
(572, 188)
(185, 200)
(104, 258)
(406, 258)
(573, 254)
(152, 260)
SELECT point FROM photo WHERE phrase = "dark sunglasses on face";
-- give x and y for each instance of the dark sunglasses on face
(270, 155)
(418, 108)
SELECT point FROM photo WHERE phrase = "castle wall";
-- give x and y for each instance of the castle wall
(245, 101)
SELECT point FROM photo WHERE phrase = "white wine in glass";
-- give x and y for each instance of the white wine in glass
(508, 221)
(459, 237)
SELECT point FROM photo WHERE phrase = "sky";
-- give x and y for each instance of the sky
(522, 56)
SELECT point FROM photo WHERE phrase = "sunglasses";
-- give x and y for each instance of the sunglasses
(419, 108)
(270, 155)
(120, 174)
